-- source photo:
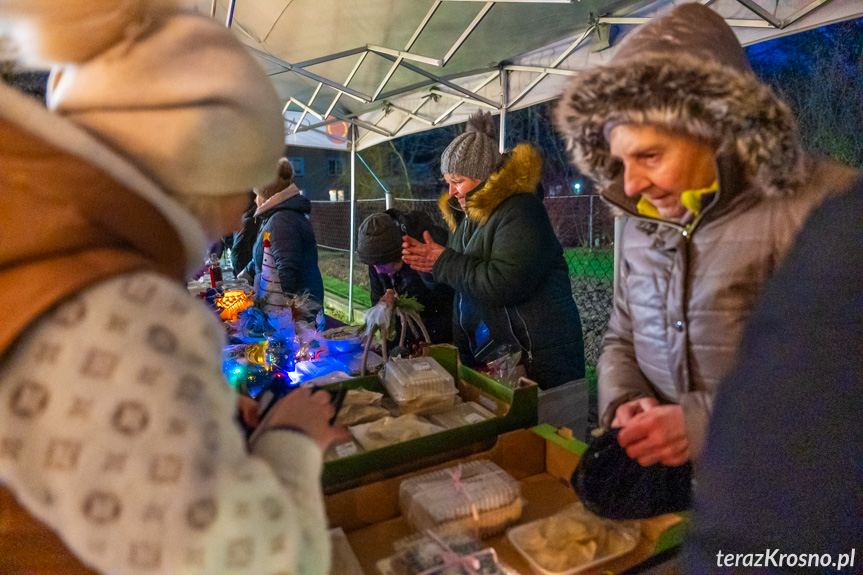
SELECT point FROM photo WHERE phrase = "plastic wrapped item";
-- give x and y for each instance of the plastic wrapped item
(442, 553)
(340, 450)
(355, 362)
(477, 495)
(573, 540)
(332, 377)
(361, 406)
(504, 366)
(315, 368)
(407, 379)
(419, 385)
(389, 431)
(462, 414)
(428, 404)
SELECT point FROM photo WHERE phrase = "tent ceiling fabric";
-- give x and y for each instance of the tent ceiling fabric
(453, 65)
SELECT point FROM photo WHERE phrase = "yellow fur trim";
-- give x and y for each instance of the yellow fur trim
(520, 174)
(446, 211)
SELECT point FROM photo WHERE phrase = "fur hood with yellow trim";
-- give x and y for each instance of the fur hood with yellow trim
(520, 173)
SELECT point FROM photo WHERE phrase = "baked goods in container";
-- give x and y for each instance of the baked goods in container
(477, 495)
(391, 430)
(573, 540)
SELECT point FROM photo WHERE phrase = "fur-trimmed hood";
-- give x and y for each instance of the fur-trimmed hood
(685, 72)
(520, 173)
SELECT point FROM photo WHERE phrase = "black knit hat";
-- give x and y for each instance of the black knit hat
(379, 240)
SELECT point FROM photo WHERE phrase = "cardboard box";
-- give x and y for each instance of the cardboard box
(566, 406)
(513, 408)
(540, 460)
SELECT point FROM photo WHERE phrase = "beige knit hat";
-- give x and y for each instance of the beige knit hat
(175, 93)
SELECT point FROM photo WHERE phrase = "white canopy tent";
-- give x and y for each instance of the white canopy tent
(395, 67)
(388, 68)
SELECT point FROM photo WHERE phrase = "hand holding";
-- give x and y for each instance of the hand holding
(389, 297)
(248, 411)
(421, 256)
(309, 411)
(656, 435)
(626, 411)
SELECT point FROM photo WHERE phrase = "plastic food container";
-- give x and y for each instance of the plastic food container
(407, 379)
(463, 414)
(477, 495)
(340, 450)
(419, 385)
(389, 431)
(573, 540)
(441, 553)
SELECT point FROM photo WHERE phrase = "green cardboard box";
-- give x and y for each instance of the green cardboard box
(514, 409)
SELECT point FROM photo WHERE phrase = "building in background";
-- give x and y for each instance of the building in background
(318, 171)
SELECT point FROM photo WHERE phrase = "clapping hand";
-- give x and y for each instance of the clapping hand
(421, 256)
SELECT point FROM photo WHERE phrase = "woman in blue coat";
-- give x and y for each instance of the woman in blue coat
(284, 214)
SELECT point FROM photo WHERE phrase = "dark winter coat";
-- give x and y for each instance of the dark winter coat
(293, 244)
(511, 280)
(783, 465)
(436, 299)
(243, 246)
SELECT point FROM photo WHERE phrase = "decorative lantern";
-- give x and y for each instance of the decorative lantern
(231, 303)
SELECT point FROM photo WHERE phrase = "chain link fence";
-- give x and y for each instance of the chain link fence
(583, 225)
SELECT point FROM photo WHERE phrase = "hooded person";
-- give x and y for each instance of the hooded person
(503, 260)
(119, 452)
(284, 215)
(680, 135)
(379, 246)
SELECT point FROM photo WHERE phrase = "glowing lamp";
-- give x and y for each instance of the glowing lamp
(232, 303)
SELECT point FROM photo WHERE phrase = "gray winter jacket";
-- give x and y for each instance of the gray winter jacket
(685, 293)
(685, 296)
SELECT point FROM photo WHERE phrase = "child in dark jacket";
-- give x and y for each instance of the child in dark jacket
(379, 245)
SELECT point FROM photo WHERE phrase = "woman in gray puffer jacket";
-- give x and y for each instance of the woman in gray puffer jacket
(708, 227)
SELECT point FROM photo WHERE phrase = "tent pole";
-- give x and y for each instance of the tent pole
(213, 9)
(388, 195)
(619, 222)
(230, 18)
(353, 222)
(504, 85)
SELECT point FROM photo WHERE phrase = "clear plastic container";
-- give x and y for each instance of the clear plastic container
(463, 414)
(573, 540)
(477, 495)
(408, 379)
(389, 431)
(441, 553)
(340, 450)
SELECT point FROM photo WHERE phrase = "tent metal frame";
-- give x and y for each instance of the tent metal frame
(430, 88)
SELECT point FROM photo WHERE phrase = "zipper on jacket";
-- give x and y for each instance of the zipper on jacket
(461, 319)
(515, 337)
(685, 231)
(461, 295)
(527, 332)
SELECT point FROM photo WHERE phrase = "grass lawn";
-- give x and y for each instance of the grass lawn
(340, 288)
(586, 262)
